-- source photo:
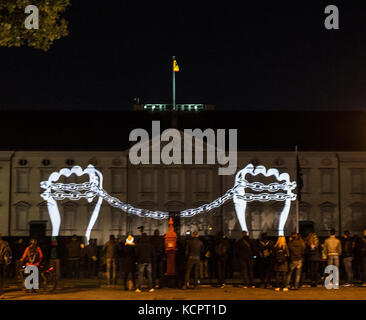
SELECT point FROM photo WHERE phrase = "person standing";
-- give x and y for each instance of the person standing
(158, 263)
(193, 252)
(244, 253)
(91, 251)
(120, 245)
(73, 257)
(221, 255)
(297, 251)
(362, 253)
(357, 259)
(128, 258)
(145, 255)
(347, 256)
(265, 259)
(206, 258)
(18, 253)
(110, 249)
(5, 259)
(33, 254)
(281, 254)
(313, 252)
(332, 249)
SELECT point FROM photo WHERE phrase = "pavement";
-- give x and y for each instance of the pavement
(87, 289)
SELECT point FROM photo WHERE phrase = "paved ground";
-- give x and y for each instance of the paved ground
(95, 290)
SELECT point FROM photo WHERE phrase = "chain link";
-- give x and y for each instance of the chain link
(263, 197)
(92, 190)
(272, 187)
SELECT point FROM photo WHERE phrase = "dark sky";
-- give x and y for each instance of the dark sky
(261, 55)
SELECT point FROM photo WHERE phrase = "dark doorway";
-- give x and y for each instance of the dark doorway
(305, 227)
(37, 229)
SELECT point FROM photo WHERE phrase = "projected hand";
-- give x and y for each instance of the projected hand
(241, 198)
(58, 191)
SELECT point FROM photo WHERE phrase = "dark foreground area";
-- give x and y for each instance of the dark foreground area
(88, 289)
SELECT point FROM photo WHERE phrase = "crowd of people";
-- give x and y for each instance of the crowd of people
(289, 262)
(286, 259)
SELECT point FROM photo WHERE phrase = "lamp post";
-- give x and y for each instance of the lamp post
(173, 85)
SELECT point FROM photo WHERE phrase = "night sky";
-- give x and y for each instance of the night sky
(274, 55)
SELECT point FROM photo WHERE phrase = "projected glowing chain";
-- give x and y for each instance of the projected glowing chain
(93, 188)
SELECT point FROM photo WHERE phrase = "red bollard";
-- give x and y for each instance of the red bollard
(170, 249)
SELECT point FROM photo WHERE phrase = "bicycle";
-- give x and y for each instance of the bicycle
(47, 278)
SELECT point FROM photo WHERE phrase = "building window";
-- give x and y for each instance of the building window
(306, 180)
(147, 181)
(69, 218)
(358, 215)
(44, 215)
(116, 219)
(357, 180)
(118, 182)
(327, 177)
(45, 174)
(90, 209)
(22, 180)
(327, 211)
(304, 211)
(201, 181)
(22, 214)
(174, 181)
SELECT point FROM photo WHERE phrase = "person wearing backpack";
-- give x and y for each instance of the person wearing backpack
(281, 254)
(221, 255)
(5, 260)
(244, 253)
(265, 259)
(313, 253)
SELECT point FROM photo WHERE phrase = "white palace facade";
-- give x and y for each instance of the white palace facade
(334, 193)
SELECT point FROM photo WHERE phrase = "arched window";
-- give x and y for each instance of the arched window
(43, 214)
(358, 216)
(305, 212)
(327, 211)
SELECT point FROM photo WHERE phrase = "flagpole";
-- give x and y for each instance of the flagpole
(173, 85)
(297, 198)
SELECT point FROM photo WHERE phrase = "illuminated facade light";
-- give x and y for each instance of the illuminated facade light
(55, 191)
